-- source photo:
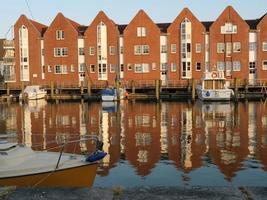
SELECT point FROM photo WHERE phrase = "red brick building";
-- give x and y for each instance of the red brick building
(69, 53)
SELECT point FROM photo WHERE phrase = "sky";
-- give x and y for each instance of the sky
(121, 11)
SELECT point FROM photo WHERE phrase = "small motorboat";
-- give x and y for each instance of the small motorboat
(214, 87)
(110, 94)
(33, 92)
(23, 167)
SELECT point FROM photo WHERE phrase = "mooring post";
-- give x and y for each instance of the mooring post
(236, 88)
(193, 89)
(117, 83)
(82, 88)
(133, 87)
(22, 89)
(246, 88)
(157, 90)
(7, 89)
(89, 92)
(52, 89)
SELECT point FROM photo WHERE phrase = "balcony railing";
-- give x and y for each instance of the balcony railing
(9, 44)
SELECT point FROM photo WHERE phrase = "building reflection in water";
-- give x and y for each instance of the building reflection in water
(189, 136)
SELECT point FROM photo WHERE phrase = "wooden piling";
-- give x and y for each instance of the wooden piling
(157, 90)
(236, 88)
(52, 87)
(89, 92)
(246, 88)
(7, 89)
(82, 88)
(133, 87)
(117, 83)
(193, 89)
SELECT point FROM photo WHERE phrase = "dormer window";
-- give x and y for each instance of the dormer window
(141, 31)
(60, 35)
(228, 28)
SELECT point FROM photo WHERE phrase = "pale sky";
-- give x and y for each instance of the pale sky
(122, 11)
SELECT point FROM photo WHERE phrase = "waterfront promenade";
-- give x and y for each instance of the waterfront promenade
(155, 193)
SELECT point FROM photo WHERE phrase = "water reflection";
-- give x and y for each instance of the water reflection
(219, 139)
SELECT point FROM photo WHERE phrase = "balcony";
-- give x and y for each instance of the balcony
(9, 44)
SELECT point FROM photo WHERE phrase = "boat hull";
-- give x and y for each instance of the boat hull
(79, 176)
(36, 96)
(214, 95)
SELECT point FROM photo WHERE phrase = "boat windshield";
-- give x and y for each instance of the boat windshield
(214, 84)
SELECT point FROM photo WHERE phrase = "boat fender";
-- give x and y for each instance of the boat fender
(97, 155)
(214, 75)
(207, 93)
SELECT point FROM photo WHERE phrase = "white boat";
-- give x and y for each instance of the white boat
(110, 94)
(21, 166)
(33, 92)
(214, 87)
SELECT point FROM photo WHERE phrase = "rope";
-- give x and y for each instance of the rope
(27, 3)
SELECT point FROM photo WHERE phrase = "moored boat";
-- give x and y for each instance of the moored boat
(214, 87)
(110, 94)
(33, 92)
(21, 166)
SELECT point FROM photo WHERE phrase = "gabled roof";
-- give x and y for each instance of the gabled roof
(74, 24)
(38, 25)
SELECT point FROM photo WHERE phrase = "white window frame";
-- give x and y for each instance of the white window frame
(64, 51)
(145, 68)
(236, 64)
(112, 68)
(154, 66)
(264, 65)
(252, 46)
(138, 68)
(163, 48)
(173, 67)
(82, 67)
(145, 49)
(141, 31)
(91, 51)
(81, 51)
(111, 50)
(129, 67)
(64, 69)
(92, 66)
(57, 69)
(50, 68)
(220, 47)
(264, 46)
(197, 66)
(57, 52)
(60, 34)
(198, 47)
(173, 48)
(220, 66)
(72, 68)
(236, 47)
(228, 50)
(137, 49)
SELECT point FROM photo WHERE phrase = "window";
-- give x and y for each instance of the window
(137, 49)
(50, 68)
(92, 51)
(163, 66)
(81, 51)
(145, 49)
(173, 48)
(198, 66)
(145, 67)
(228, 49)
(264, 46)
(112, 68)
(264, 64)
(138, 68)
(220, 66)
(82, 67)
(228, 68)
(43, 52)
(60, 35)
(57, 52)
(57, 69)
(220, 47)
(252, 46)
(72, 68)
(173, 67)
(198, 48)
(64, 69)
(228, 28)
(141, 31)
(163, 49)
(129, 67)
(236, 66)
(112, 50)
(92, 68)
(154, 66)
(122, 68)
(236, 47)
(64, 51)
(121, 49)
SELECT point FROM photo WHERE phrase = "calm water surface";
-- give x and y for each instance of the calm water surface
(155, 144)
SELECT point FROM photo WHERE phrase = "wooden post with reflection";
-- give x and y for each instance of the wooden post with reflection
(117, 83)
(133, 87)
(52, 89)
(193, 89)
(246, 88)
(82, 88)
(7, 89)
(236, 88)
(157, 90)
(89, 92)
